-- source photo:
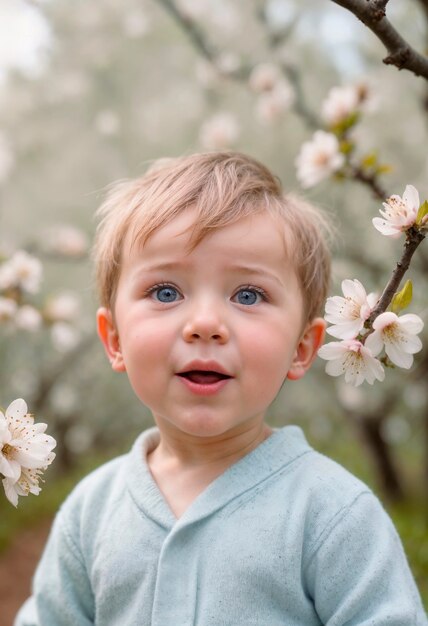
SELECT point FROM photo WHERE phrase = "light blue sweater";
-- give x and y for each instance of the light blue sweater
(285, 537)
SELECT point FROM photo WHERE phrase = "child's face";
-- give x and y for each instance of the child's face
(233, 306)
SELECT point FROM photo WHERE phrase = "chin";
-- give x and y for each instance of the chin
(203, 426)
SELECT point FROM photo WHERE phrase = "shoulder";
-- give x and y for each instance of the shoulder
(316, 477)
(325, 495)
(101, 497)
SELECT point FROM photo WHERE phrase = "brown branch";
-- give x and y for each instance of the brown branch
(241, 74)
(299, 105)
(191, 29)
(200, 42)
(414, 238)
(370, 180)
(290, 71)
(400, 53)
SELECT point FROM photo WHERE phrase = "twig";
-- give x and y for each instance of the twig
(191, 29)
(414, 238)
(200, 43)
(290, 71)
(241, 74)
(370, 180)
(299, 105)
(400, 53)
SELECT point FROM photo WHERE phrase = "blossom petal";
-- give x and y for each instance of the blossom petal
(353, 289)
(411, 197)
(9, 489)
(385, 228)
(347, 330)
(374, 342)
(335, 367)
(332, 350)
(398, 357)
(384, 319)
(16, 409)
(411, 323)
(9, 468)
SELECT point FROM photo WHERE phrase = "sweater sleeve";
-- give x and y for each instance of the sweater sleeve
(358, 574)
(62, 593)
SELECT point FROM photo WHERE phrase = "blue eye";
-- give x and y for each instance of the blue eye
(166, 294)
(249, 296)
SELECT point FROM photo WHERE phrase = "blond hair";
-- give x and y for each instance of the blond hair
(223, 187)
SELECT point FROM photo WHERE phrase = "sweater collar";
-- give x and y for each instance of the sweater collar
(280, 449)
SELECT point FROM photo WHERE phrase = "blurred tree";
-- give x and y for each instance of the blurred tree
(123, 83)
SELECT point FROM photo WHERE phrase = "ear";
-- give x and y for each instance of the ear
(307, 348)
(110, 339)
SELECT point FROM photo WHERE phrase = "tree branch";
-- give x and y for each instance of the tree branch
(370, 180)
(400, 53)
(413, 239)
(242, 74)
(200, 42)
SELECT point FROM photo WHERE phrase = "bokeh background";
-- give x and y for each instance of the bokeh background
(93, 92)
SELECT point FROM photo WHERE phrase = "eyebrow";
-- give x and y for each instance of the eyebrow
(236, 268)
(256, 271)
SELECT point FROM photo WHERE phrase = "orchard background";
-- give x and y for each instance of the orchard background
(107, 88)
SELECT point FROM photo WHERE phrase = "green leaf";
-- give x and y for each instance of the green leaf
(423, 210)
(370, 160)
(384, 169)
(346, 146)
(402, 298)
(346, 124)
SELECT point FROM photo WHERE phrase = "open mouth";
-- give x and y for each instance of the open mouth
(201, 377)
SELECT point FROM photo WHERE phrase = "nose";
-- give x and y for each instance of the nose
(206, 323)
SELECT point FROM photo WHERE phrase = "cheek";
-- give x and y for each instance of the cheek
(268, 354)
(144, 349)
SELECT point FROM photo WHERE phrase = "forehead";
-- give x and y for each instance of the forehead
(260, 237)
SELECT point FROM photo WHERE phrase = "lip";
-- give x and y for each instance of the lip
(204, 366)
(203, 389)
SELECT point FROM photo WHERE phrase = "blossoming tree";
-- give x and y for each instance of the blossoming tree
(246, 77)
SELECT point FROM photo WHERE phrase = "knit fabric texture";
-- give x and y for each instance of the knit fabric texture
(284, 537)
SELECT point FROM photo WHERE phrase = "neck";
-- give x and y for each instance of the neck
(185, 450)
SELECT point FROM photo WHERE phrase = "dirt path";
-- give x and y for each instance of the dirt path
(17, 566)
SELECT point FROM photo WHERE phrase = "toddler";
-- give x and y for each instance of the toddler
(211, 282)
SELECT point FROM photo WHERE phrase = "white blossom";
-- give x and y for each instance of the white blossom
(7, 309)
(28, 482)
(318, 159)
(351, 358)
(271, 104)
(193, 9)
(348, 313)
(63, 307)
(228, 62)
(21, 270)
(399, 214)
(397, 334)
(219, 132)
(66, 240)
(64, 336)
(340, 103)
(7, 276)
(264, 77)
(368, 100)
(28, 318)
(25, 450)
